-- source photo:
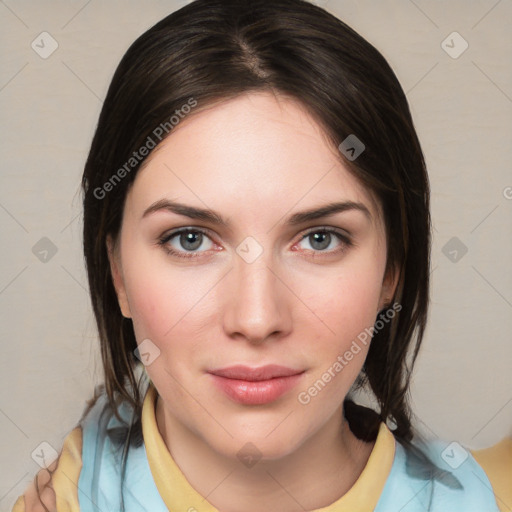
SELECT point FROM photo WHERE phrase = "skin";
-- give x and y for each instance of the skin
(36, 502)
(256, 160)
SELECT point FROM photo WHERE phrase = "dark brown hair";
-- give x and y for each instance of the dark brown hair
(211, 50)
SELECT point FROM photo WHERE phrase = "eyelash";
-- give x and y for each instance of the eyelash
(164, 240)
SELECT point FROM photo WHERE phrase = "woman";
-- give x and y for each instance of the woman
(257, 238)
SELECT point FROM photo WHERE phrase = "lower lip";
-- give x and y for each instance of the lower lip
(256, 392)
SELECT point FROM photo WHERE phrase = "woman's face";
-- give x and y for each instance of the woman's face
(254, 282)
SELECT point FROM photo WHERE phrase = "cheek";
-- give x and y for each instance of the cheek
(151, 305)
(170, 307)
(160, 295)
(162, 311)
(347, 308)
(165, 317)
(346, 303)
(358, 300)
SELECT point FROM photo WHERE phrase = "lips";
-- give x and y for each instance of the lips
(255, 386)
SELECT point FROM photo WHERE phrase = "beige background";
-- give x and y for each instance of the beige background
(462, 108)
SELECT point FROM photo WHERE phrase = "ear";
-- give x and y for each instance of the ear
(117, 276)
(389, 285)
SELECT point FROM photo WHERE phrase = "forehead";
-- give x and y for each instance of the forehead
(256, 153)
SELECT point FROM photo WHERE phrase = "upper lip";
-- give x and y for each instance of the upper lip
(267, 372)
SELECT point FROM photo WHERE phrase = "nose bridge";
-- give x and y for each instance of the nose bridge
(256, 277)
(256, 283)
(257, 306)
(253, 262)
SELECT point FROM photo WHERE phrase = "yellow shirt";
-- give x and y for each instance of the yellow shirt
(178, 494)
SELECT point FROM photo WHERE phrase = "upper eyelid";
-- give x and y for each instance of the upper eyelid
(339, 231)
(174, 232)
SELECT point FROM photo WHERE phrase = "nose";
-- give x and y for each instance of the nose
(257, 307)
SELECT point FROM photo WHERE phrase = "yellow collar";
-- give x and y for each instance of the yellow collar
(178, 494)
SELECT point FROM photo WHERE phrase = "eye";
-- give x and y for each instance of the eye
(185, 242)
(320, 239)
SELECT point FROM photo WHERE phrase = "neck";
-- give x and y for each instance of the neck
(317, 474)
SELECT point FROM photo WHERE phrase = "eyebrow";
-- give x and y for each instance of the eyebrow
(214, 218)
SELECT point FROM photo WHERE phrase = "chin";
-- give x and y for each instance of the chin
(267, 441)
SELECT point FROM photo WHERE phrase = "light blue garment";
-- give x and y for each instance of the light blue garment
(456, 488)
(410, 486)
(99, 482)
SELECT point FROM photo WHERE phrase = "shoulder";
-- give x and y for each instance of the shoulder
(436, 475)
(98, 435)
(496, 461)
(55, 487)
